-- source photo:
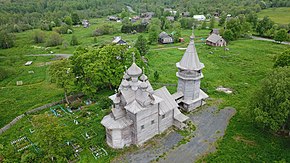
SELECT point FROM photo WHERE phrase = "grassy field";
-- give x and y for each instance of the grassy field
(241, 68)
(279, 15)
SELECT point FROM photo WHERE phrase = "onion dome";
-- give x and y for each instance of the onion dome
(143, 85)
(143, 77)
(117, 100)
(134, 70)
(125, 84)
(126, 76)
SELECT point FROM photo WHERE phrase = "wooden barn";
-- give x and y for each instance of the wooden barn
(215, 40)
(164, 38)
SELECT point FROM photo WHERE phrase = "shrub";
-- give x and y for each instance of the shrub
(283, 59)
(270, 104)
(6, 40)
(38, 37)
(6, 72)
(74, 40)
(104, 30)
(54, 40)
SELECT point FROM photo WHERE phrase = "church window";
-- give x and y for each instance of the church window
(163, 116)
(142, 127)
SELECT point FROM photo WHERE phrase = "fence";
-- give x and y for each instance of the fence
(15, 120)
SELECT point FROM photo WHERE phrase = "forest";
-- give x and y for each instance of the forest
(22, 15)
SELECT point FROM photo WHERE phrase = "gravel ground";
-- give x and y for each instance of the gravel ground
(211, 124)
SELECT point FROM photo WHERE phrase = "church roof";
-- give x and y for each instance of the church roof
(110, 123)
(134, 70)
(190, 60)
(179, 116)
(168, 102)
(134, 107)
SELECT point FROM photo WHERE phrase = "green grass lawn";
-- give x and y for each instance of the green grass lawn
(279, 15)
(241, 69)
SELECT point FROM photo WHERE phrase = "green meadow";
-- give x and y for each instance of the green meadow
(279, 15)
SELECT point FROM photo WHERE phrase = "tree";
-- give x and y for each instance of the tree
(74, 41)
(75, 19)
(203, 25)
(281, 35)
(228, 35)
(98, 68)
(212, 22)
(6, 40)
(235, 26)
(54, 40)
(126, 21)
(222, 19)
(152, 37)
(62, 74)
(271, 102)
(176, 35)
(124, 14)
(38, 37)
(141, 45)
(68, 20)
(264, 25)
(156, 76)
(283, 59)
(52, 135)
(252, 18)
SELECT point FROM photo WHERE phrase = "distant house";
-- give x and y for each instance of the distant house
(164, 38)
(113, 18)
(185, 14)
(199, 17)
(118, 40)
(145, 21)
(216, 14)
(215, 40)
(172, 12)
(170, 18)
(147, 15)
(215, 31)
(85, 23)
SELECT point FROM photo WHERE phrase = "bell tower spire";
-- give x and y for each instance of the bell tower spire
(189, 75)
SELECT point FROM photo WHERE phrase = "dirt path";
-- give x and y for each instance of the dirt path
(267, 39)
(211, 125)
(58, 55)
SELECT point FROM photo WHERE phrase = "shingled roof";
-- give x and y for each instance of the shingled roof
(190, 60)
(214, 38)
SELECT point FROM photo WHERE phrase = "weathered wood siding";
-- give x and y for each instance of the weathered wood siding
(145, 118)
(127, 136)
(117, 141)
(166, 122)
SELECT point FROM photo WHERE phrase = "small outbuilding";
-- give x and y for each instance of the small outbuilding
(113, 18)
(199, 17)
(147, 15)
(119, 41)
(185, 14)
(215, 40)
(164, 38)
(86, 23)
(215, 31)
(170, 18)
